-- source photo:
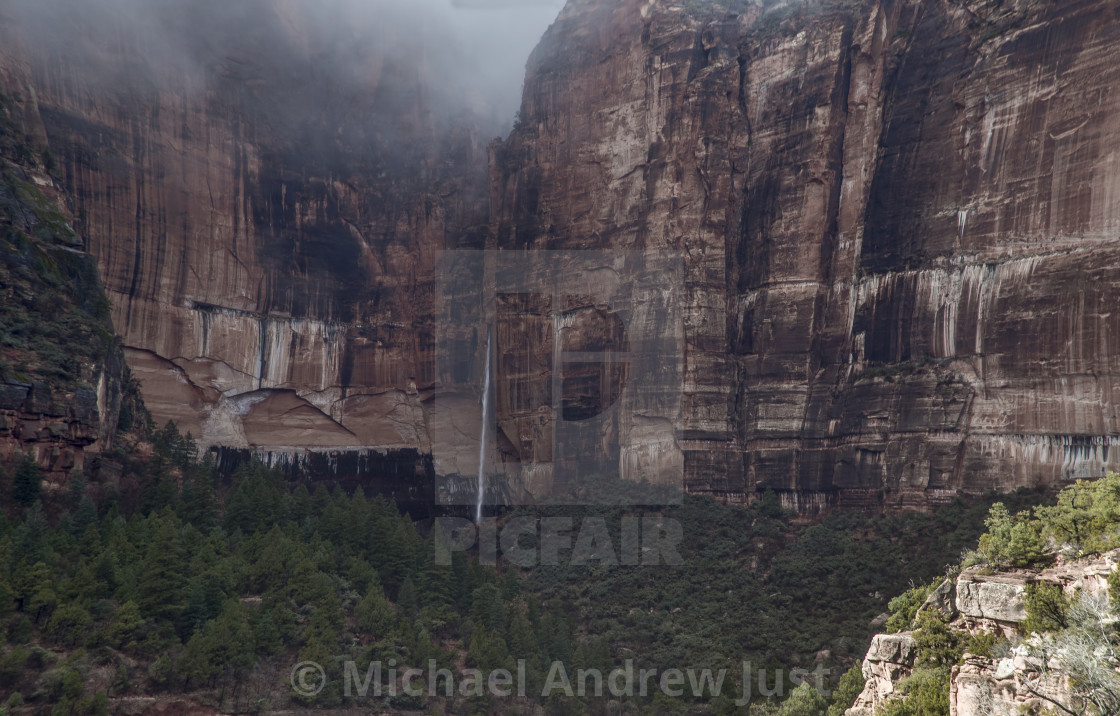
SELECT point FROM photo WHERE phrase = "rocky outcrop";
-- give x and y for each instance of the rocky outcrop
(889, 660)
(897, 222)
(995, 597)
(984, 686)
(986, 601)
(58, 429)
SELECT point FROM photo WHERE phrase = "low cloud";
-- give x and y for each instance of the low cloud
(467, 55)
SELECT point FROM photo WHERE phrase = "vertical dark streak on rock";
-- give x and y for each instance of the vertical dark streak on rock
(138, 229)
(262, 327)
(841, 93)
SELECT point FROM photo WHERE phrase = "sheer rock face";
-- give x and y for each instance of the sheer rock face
(900, 227)
(264, 199)
(62, 376)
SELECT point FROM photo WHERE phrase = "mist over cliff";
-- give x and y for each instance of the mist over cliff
(294, 165)
(465, 57)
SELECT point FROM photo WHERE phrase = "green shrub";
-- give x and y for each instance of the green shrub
(937, 645)
(1047, 608)
(938, 648)
(12, 664)
(161, 670)
(1011, 540)
(990, 645)
(19, 629)
(904, 607)
(1087, 516)
(64, 684)
(849, 688)
(805, 700)
(68, 624)
(926, 693)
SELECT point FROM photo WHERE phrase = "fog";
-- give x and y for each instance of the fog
(464, 54)
(498, 35)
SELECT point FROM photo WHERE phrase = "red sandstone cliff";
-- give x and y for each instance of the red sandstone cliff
(264, 201)
(900, 223)
(900, 220)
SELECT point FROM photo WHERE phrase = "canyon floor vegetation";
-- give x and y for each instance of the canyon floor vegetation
(172, 582)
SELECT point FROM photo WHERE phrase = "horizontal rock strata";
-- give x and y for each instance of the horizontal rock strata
(898, 224)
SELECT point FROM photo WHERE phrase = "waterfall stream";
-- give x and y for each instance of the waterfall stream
(482, 438)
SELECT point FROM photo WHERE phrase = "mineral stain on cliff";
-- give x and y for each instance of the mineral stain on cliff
(899, 217)
(900, 220)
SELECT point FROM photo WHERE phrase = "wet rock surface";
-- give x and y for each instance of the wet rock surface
(899, 236)
(898, 225)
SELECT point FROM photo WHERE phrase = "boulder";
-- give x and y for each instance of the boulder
(943, 599)
(998, 597)
(892, 648)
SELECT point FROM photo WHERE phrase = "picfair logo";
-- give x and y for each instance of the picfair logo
(558, 377)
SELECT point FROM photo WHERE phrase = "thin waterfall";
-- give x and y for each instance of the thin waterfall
(482, 438)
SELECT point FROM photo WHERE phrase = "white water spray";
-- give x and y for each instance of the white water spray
(482, 438)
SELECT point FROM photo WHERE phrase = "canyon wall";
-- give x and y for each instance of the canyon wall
(63, 379)
(264, 199)
(898, 222)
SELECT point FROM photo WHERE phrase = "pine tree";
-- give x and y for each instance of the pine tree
(75, 489)
(325, 625)
(258, 500)
(399, 554)
(27, 482)
(522, 640)
(555, 635)
(407, 600)
(375, 614)
(199, 502)
(300, 504)
(204, 602)
(435, 581)
(105, 571)
(223, 647)
(304, 582)
(487, 651)
(7, 599)
(30, 538)
(266, 635)
(34, 585)
(84, 516)
(160, 590)
(68, 624)
(487, 609)
(123, 628)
